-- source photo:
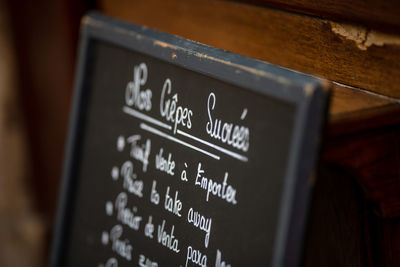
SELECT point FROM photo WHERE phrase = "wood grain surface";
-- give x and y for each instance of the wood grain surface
(373, 158)
(330, 50)
(383, 15)
(337, 199)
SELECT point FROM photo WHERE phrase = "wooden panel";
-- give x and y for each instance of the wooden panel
(376, 14)
(299, 42)
(347, 100)
(354, 110)
(367, 118)
(386, 234)
(335, 228)
(374, 159)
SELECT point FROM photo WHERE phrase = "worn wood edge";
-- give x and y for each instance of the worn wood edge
(371, 14)
(364, 119)
(347, 99)
(354, 109)
(323, 48)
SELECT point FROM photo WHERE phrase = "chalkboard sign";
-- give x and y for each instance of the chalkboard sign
(180, 154)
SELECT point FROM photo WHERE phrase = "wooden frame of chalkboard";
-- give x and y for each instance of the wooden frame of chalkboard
(305, 93)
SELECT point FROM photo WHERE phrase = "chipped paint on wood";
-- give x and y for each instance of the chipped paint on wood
(364, 37)
(380, 39)
(99, 24)
(254, 71)
(309, 89)
(86, 20)
(165, 45)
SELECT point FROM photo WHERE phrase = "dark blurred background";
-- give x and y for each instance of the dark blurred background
(38, 45)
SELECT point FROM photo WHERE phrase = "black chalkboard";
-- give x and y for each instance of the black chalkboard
(180, 154)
